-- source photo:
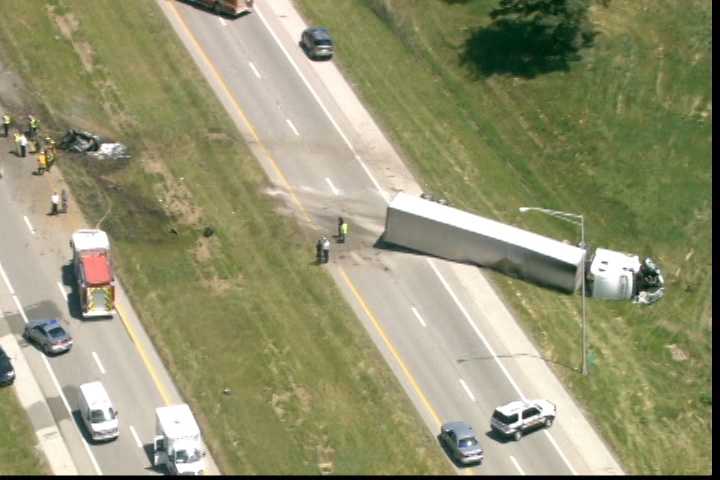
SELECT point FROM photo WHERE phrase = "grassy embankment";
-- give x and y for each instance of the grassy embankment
(624, 137)
(243, 309)
(17, 439)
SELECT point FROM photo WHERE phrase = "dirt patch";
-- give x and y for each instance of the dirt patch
(172, 193)
(68, 26)
(677, 353)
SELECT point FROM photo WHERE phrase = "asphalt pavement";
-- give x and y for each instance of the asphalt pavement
(322, 151)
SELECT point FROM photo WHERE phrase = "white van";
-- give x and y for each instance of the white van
(98, 413)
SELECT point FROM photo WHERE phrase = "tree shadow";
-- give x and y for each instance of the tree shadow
(518, 48)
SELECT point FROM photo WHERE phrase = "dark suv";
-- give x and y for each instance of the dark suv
(317, 43)
(7, 372)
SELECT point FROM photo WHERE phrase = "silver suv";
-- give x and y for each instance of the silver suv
(514, 418)
(317, 43)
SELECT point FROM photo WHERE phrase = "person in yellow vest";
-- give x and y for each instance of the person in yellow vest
(17, 142)
(34, 126)
(42, 163)
(6, 123)
(50, 159)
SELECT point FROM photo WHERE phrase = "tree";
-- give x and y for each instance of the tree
(560, 26)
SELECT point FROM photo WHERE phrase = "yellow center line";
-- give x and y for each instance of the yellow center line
(245, 120)
(286, 184)
(389, 345)
(143, 356)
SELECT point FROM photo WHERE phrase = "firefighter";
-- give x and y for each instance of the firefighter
(42, 163)
(34, 126)
(6, 123)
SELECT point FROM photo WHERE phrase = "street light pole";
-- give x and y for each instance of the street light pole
(577, 220)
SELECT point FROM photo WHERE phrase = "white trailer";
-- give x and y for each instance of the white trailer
(178, 444)
(430, 227)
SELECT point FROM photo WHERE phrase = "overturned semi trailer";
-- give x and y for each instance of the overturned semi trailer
(429, 227)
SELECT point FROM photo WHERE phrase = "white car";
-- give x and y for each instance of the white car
(514, 418)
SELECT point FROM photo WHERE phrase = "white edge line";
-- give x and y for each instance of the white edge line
(255, 70)
(62, 394)
(467, 389)
(97, 360)
(495, 357)
(517, 465)
(62, 290)
(67, 406)
(332, 187)
(29, 225)
(317, 98)
(19, 307)
(6, 280)
(292, 127)
(420, 319)
(136, 437)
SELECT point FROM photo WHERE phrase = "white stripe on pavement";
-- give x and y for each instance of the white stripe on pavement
(62, 290)
(255, 70)
(6, 280)
(493, 354)
(517, 465)
(135, 436)
(97, 360)
(292, 127)
(420, 319)
(332, 187)
(467, 389)
(317, 99)
(29, 225)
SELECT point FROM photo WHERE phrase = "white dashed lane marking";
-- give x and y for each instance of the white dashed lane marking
(97, 360)
(467, 389)
(332, 187)
(292, 127)
(420, 319)
(255, 70)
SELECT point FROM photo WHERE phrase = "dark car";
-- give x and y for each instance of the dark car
(317, 43)
(7, 372)
(48, 335)
(462, 444)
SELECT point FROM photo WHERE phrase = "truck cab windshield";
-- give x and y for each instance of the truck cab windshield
(185, 456)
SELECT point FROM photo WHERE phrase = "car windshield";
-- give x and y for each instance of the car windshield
(183, 456)
(102, 415)
(467, 442)
(323, 41)
(506, 419)
(56, 333)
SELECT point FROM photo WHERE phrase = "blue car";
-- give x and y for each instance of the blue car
(49, 335)
(7, 372)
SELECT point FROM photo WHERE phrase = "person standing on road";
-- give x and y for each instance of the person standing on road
(42, 163)
(342, 230)
(34, 125)
(23, 145)
(6, 124)
(64, 200)
(326, 249)
(54, 203)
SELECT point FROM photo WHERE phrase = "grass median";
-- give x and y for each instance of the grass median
(243, 309)
(17, 439)
(623, 136)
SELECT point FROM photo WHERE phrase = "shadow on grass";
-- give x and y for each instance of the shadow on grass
(518, 48)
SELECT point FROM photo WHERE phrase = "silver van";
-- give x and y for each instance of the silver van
(98, 413)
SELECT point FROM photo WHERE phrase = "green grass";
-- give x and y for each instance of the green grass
(624, 136)
(243, 309)
(18, 455)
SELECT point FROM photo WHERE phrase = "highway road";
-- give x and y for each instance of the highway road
(428, 325)
(36, 282)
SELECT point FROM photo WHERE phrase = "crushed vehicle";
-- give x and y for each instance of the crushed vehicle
(49, 335)
(515, 418)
